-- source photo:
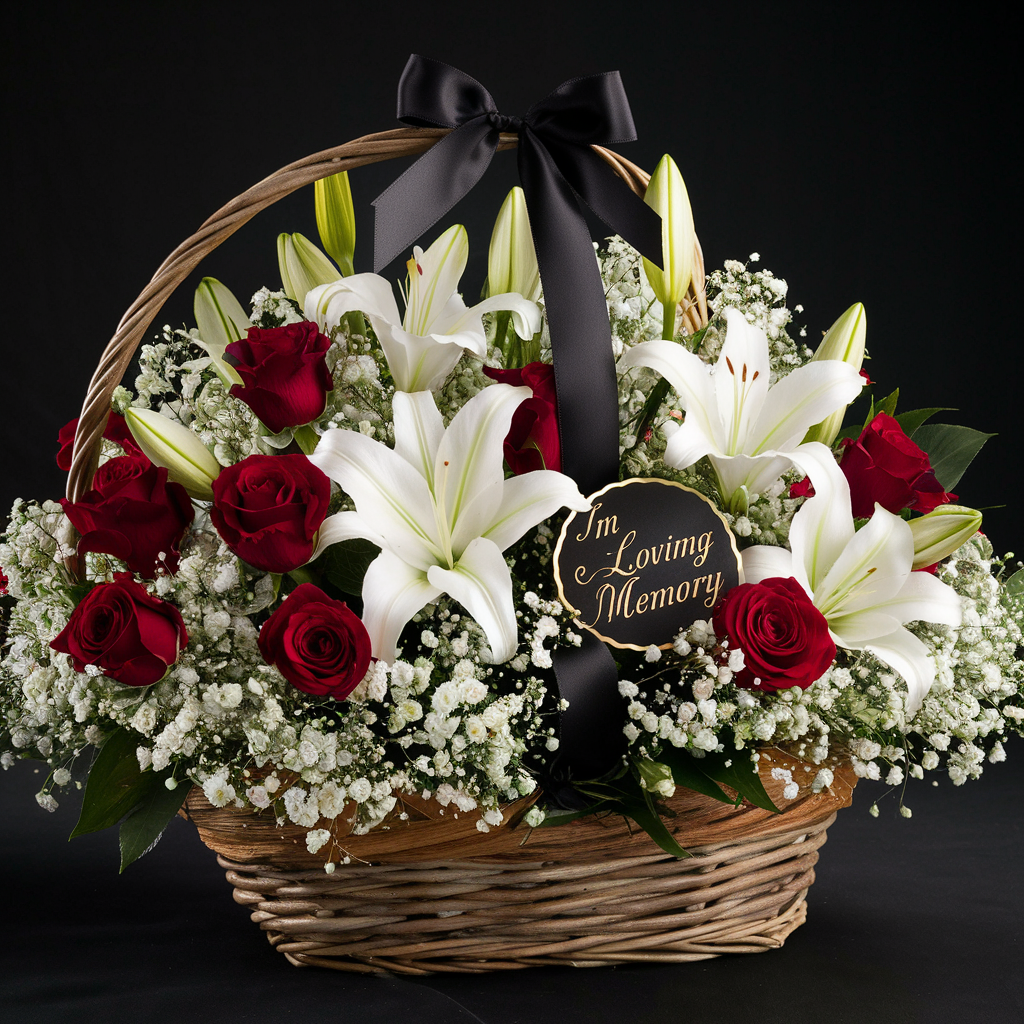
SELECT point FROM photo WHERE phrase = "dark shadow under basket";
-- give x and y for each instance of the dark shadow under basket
(433, 894)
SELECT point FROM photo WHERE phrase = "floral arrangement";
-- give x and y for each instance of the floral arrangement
(314, 573)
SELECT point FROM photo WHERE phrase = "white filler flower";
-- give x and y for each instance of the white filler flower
(422, 347)
(861, 581)
(746, 428)
(442, 512)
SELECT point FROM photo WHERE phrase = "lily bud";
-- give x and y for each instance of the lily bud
(303, 266)
(666, 194)
(941, 532)
(511, 259)
(336, 219)
(165, 443)
(843, 341)
(221, 320)
(656, 777)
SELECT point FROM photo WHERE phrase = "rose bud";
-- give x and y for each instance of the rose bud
(133, 513)
(532, 441)
(784, 639)
(116, 430)
(318, 644)
(885, 466)
(169, 444)
(268, 509)
(284, 374)
(133, 636)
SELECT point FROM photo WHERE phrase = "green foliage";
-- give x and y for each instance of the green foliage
(344, 564)
(914, 418)
(950, 449)
(118, 790)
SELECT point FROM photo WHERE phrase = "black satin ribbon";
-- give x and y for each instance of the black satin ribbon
(558, 169)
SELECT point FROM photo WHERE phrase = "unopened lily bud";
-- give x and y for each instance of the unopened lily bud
(303, 266)
(843, 341)
(511, 259)
(941, 532)
(336, 220)
(221, 320)
(656, 777)
(165, 443)
(666, 194)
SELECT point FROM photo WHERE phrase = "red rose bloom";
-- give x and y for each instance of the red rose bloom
(284, 374)
(133, 636)
(116, 431)
(532, 441)
(133, 513)
(884, 465)
(3, 581)
(783, 637)
(318, 644)
(268, 509)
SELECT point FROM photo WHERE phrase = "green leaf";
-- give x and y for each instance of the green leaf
(1014, 586)
(950, 449)
(738, 775)
(646, 816)
(886, 405)
(686, 773)
(558, 816)
(144, 826)
(344, 564)
(115, 785)
(913, 418)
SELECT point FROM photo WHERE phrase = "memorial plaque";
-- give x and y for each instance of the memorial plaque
(649, 558)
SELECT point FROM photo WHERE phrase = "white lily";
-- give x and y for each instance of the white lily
(172, 445)
(441, 511)
(861, 581)
(748, 429)
(422, 347)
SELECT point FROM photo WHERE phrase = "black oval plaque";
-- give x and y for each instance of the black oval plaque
(648, 559)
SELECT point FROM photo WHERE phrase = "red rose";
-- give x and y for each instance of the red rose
(532, 441)
(284, 374)
(268, 509)
(133, 636)
(318, 644)
(133, 513)
(884, 465)
(3, 581)
(116, 431)
(783, 637)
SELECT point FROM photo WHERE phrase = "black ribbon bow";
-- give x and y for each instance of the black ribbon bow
(557, 168)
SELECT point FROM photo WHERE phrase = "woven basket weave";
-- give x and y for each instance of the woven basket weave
(426, 891)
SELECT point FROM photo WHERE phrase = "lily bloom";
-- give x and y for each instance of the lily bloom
(862, 581)
(423, 346)
(440, 509)
(747, 429)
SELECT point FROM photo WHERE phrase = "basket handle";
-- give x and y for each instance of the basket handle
(368, 149)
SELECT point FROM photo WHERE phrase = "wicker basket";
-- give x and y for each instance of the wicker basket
(426, 891)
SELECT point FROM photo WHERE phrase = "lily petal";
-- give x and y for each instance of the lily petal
(741, 381)
(393, 592)
(434, 276)
(418, 430)
(368, 293)
(527, 500)
(525, 314)
(387, 491)
(802, 398)
(763, 561)
(482, 584)
(344, 526)
(690, 378)
(468, 466)
(906, 654)
(416, 363)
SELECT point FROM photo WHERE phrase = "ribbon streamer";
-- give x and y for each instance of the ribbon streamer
(558, 169)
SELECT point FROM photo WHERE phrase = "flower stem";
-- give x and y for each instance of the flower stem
(668, 320)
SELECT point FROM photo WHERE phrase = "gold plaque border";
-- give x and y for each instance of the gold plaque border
(604, 490)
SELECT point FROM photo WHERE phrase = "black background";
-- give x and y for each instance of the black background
(865, 153)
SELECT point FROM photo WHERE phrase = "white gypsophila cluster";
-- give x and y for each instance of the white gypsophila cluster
(273, 309)
(633, 309)
(761, 297)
